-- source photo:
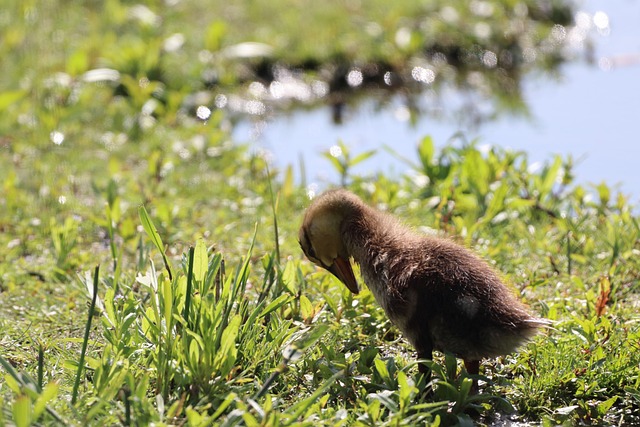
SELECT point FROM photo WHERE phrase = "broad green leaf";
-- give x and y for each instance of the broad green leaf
(465, 420)
(196, 337)
(550, 176)
(426, 150)
(109, 309)
(451, 365)
(250, 420)
(150, 228)
(337, 164)
(367, 356)
(194, 417)
(311, 337)
(12, 383)
(373, 409)
(405, 388)
(289, 277)
(332, 304)
(465, 388)
(167, 302)
(200, 260)
(603, 407)
(386, 400)
(475, 172)
(22, 411)
(49, 392)
(306, 308)
(194, 351)
(295, 350)
(112, 196)
(153, 234)
(381, 367)
(362, 157)
(581, 259)
(227, 354)
(275, 304)
(288, 184)
(128, 320)
(518, 204)
(175, 409)
(496, 205)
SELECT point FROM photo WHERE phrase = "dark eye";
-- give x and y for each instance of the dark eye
(307, 248)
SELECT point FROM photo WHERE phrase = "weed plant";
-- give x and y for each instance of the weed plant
(236, 328)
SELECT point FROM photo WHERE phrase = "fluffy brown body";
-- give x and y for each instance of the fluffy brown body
(438, 293)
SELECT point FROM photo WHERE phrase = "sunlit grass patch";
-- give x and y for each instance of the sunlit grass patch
(201, 331)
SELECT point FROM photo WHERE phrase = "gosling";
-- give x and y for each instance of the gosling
(439, 294)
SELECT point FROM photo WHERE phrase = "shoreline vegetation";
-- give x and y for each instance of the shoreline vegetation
(149, 268)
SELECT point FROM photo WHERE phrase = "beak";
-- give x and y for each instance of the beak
(341, 268)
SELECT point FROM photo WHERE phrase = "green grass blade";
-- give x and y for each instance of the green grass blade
(362, 157)
(187, 299)
(87, 330)
(152, 232)
(224, 405)
(40, 367)
(299, 408)
(10, 370)
(274, 211)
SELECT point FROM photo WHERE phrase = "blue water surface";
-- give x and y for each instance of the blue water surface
(592, 113)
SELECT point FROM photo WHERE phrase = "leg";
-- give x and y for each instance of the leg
(473, 368)
(427, 392)
(423, 368)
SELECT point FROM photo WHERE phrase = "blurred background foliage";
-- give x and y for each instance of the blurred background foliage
(249, 57)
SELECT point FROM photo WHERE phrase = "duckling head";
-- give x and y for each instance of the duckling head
(321, 238)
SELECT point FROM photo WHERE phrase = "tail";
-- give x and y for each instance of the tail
(540, 323)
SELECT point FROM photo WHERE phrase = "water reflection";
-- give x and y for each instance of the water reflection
(203, 112)
(355, 78)
(576, 117)
(335, 151)
(220, 101)
(487, 74)
(423, 75)
(489, 59)
(601, 21)
(56, 137)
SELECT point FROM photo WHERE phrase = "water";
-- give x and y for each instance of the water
(593, 113)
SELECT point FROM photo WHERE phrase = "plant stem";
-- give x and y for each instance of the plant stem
(87, 330)
(40, 367)
(187, 301)
(569, 253)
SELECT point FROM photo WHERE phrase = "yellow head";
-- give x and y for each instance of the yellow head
(321, 238)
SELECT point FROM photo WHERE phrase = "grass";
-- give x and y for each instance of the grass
(206, 312)
(206, 335)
